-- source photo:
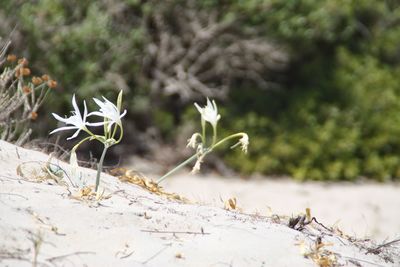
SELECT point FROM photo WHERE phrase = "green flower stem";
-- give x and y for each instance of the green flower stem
(184, 163)
(203, 131)
(203, 153)
(114, 131)
(100, 167)
(88, 132)
(214, 135)
(105, 129)
(80, 142)
(226, 139)
(121, 134)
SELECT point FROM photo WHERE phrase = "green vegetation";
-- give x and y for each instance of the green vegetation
(326, 108)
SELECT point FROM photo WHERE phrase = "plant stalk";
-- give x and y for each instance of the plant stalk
(177, 168)
(100, 167)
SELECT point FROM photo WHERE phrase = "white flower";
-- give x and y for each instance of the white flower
(244, 142)
(75, 119)
(192, 142)
(209, 113)
(107, 110)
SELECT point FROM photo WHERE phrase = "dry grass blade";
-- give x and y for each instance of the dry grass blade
(318, 253)
(134, 177)
(231, 204)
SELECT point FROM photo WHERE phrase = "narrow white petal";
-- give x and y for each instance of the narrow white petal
(65, 120)
(65, 128)
(96, 113)
(85, 112)
(95, 123)
(123, 114)
(76, 109)
(215, 106)
(98, 102)
(74, 135)
(200, 109)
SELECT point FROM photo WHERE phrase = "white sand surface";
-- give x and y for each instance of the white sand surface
(366, 210)
(41, 225)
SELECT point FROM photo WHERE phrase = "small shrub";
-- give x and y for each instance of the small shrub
(21, 95)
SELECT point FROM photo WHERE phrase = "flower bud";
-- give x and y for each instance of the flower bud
(36, 80)
(25, 71)
(52, 83)
(11, 58)
(23, 61)
(26, 89)
(45, 77)
(33, 116)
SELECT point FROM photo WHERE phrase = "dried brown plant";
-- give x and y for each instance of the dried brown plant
(21, 95)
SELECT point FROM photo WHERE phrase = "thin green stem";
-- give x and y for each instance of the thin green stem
(100, 167)
(121, 134)
(203, 131)
(80, 142)
(214, 135)
(193, 157)
(184, 163)
(105, 128)
(226, 139)
(88, 131)
(114, 131)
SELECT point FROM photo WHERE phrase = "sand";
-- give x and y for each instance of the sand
(365, 209)
(42, 224)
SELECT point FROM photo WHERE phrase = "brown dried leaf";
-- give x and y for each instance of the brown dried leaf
(230, 204)
(137, 178)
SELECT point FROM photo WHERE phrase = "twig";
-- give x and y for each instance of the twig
(175, 232)
(12, 194)
(156, 254)
(127, 255)
(16, 151)
(376, 250)
(317, 222)
(369, 262)
(68, 255)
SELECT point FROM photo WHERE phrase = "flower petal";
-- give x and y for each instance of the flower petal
(96, 113)
(123, 114)
(76, 109)
(65, 128)
(74, 135)
(200, 109)
(96, 123)
(65, 120)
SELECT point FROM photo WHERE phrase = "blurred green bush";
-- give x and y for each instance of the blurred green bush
(335, 114)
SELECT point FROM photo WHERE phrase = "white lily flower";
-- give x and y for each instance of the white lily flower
(192, 142)
(107, 110)
(209, 112)
(76, 120)
(244, 142)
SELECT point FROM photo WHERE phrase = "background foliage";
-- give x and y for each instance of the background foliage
(314, 83)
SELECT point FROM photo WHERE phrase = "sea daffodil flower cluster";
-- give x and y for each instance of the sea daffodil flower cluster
(111, 123)
(200, 143)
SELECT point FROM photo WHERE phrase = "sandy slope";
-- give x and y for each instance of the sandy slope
(113, 232)
(363, 209)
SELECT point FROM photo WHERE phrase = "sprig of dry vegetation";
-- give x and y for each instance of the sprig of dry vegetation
(21, 95)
